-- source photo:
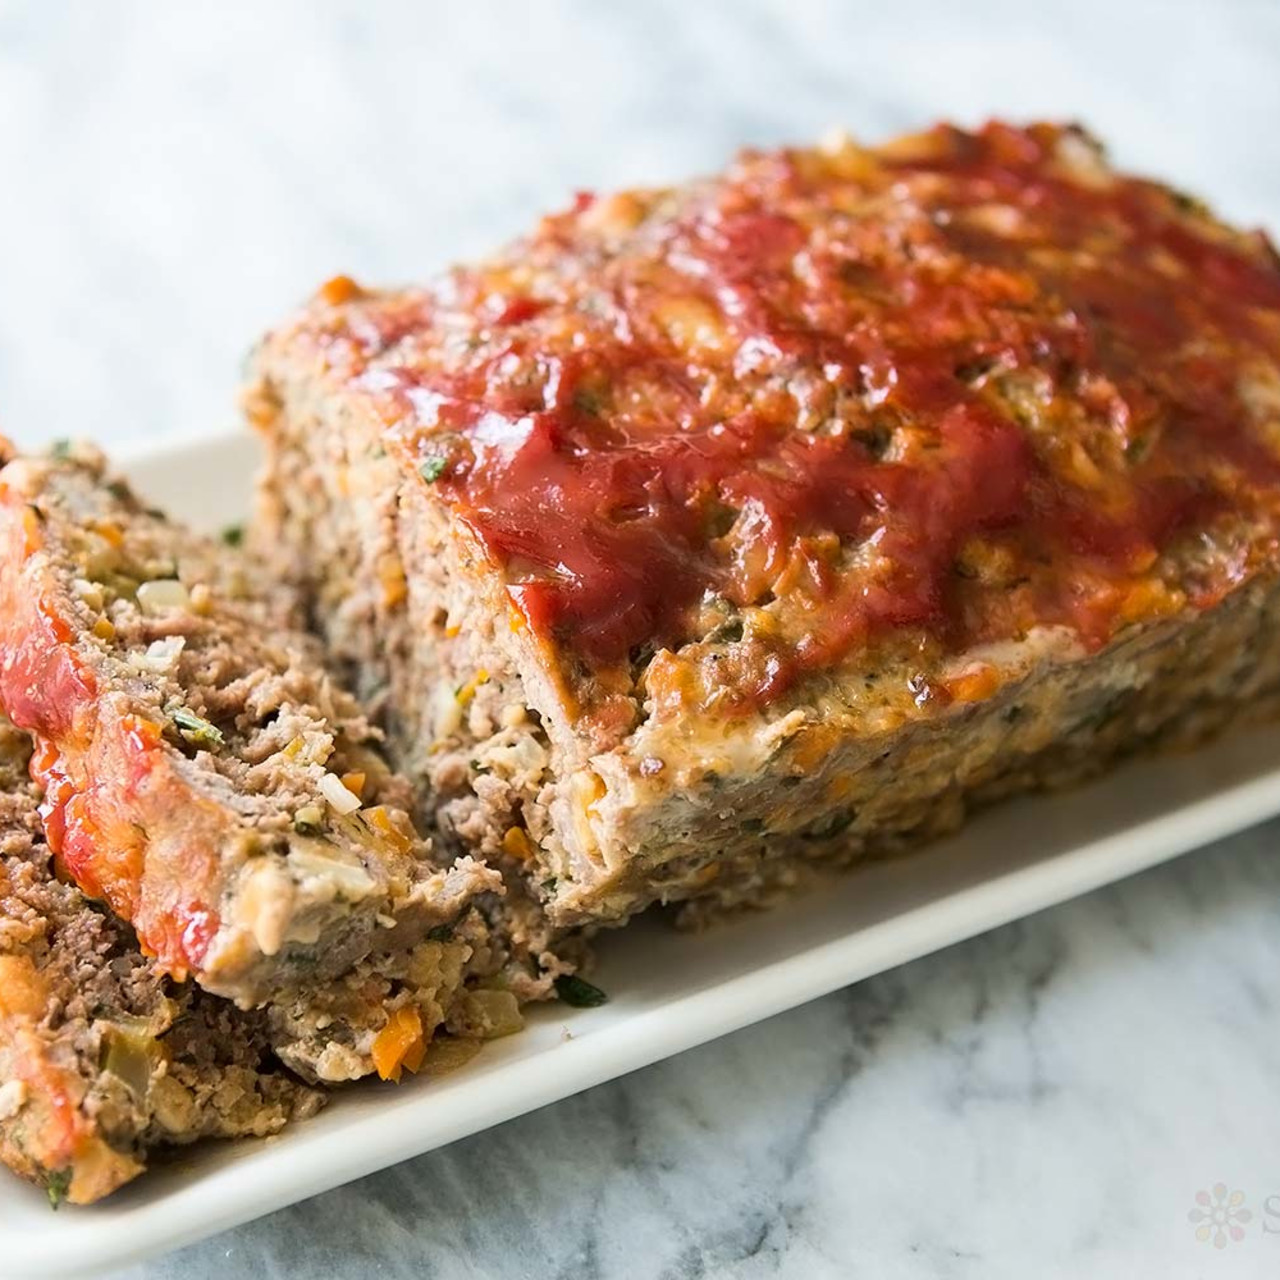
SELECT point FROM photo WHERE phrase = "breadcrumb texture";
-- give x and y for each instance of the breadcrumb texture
(783, 517)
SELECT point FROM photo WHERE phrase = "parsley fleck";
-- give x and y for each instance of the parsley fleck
(440, 933)
(56, 1186)
(875, 439)
(431, 469)
(233, 535)
(588, 401)
(309, 821)
(578, 992)
(1138, 448)
(196, 729)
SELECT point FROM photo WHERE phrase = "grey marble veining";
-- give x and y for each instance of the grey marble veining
(1044, 1101)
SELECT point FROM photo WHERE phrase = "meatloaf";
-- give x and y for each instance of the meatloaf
(102, 1059)
(783, 517)
(206, 779)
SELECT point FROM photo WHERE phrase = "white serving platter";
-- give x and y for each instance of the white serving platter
(668, 991)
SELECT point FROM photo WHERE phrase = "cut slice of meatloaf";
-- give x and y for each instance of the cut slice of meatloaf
(785, 516)
(101, 1059)
(206, 778)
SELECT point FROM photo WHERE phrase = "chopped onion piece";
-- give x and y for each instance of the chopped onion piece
(162, 655)
(163, 594)
(89, 592)
(309, 820)
(315, 860)
(487, 1014)
(337, 795)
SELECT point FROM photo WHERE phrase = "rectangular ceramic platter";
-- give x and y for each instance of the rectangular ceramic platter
(669, 991)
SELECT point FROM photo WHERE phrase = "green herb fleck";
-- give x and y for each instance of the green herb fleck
(875, 439)
(233, 535)
(431, 469)
(641, 655)
(832, 825)
(1186, 203)
(196, 729)
(588, 401)
(440, 933)
(309, 820)
(973, 371)
(728, 632)
(549, 884)
(578, 992)
(1138, 448)
(720, 519)
(61, 450)
(56, 1186)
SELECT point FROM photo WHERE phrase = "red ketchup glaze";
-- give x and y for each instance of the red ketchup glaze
(180, 926)
(100, 775)
(44, 686)
(102, 844)
(985, 272)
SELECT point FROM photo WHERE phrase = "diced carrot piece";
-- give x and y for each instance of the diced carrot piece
(33, 535)
(340, 289)
(394, 828)
(468, 691)
(401, 1043)
(395, 587)
(975, 684)
(516, 843)
(21, 988)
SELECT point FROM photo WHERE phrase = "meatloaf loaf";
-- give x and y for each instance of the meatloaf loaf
(206, 779)
(783, 517)
(101, 1058)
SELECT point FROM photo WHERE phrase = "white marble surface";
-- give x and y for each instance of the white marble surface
(1045, 1101)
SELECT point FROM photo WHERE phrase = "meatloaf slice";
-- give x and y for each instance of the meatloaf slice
(206, 779)
(785, 516)
(102, 1059)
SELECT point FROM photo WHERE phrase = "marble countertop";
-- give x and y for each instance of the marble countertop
(1047, 1100)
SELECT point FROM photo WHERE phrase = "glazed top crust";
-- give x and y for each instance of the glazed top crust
(840, 409)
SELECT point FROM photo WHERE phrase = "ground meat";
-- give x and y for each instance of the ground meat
(101, 1058)
(792, 513)
(211, 782)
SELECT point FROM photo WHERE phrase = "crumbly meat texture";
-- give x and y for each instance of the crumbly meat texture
(207, 779)
(783, 517)
(101, 1059)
